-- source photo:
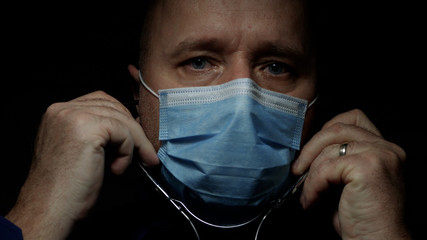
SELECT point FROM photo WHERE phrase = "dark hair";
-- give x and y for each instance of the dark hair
(145, 31)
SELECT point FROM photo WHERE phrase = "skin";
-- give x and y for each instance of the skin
(265, 42)
(243, 49)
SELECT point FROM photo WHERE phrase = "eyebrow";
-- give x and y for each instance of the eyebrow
(198, 45)
(262, 49)
(280, 50)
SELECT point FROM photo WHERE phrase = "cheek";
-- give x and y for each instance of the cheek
(149, 117)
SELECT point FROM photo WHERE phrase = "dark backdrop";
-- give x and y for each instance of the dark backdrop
(371, 58)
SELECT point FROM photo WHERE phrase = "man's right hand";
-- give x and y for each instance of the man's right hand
(68, 166)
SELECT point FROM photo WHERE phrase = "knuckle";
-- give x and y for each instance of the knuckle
(320, 168)
(353, 146)
(79, 119)
(67, 116)
(57, 113)
(53, 109)
(380, 161)
(100, 94)
(320, 171)
(400, 152)
(364, 166)
(324, 155)
(330, 151)
(104, 97)
(337, 128)
(372, 160)
(357, 112)
(321, 164)
(390, 155)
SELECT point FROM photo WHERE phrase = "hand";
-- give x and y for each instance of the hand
(371, 202)
(68, 166)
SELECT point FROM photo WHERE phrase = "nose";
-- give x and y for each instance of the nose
(237, 67)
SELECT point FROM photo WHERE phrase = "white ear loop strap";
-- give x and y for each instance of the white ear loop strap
(145, 85)
(312, 102)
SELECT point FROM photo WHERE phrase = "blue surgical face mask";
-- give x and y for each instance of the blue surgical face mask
(226, 150)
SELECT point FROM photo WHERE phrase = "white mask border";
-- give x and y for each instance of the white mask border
(157, 95)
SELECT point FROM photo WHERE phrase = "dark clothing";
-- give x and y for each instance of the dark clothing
(9, 231)
(130, 208)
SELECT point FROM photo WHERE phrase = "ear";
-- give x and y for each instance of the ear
(134, 72)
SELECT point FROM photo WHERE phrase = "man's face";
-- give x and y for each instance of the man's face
(210, 42)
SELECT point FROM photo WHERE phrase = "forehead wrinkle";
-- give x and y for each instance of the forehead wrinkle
(237, 33)
(192, 44)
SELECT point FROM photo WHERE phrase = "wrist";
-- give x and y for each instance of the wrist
(39, 216)
(39, 223)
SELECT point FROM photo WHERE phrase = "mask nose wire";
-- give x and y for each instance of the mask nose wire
(146, 86)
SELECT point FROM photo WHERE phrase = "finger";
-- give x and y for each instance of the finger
(144, 147)
(362, 161)
(95, 95)
(96, 132)
(337, 133)
(100, 98)
(354, 117)
(332, 153)
(99, 102)
(146, 151)
(321, 177)
(334, 132)
(124, 152)
(118, 133)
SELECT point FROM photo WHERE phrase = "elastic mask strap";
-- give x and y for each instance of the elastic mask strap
(146, 87)
(312, 102)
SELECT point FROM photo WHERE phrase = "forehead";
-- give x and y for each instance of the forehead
(228, 5)
(231, 20)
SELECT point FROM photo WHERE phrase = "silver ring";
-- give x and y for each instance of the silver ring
(343, 149)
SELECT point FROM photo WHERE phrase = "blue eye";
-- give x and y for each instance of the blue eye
(277, 68)
(198, 63)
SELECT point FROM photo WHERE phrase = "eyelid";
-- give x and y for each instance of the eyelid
(209, 60)
(263, 65)
(191, 76)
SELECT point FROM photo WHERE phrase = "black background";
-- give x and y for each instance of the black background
(372, 57)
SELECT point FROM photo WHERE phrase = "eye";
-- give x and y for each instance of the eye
(198, 68)
(198, 63)
(277, 68)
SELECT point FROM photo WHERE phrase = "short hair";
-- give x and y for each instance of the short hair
(147, 15)
(315, 20)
